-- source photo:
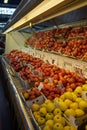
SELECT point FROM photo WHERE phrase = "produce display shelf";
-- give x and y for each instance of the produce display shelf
(15, 90)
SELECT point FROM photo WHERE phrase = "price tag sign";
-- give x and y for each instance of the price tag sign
(73, 121)
(40, 86)
(50, 80)
(84, 95)
(60, 86)
(78, 68)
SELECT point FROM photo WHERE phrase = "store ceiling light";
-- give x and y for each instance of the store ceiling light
(5, 1)
(42, 8)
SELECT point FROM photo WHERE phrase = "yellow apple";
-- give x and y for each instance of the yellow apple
(50, 123)
(68, 102)
(50, 107)
(78, 99)
(74, 105)
(58, 126)
(69, 128)
(57, 111)
(47, 128)
(43, 105)
(57, 118)
(84, 87)
(83, 104)
(62, 106)
(74, 97)
(43, 111)
(26, 95)
(63, 121)
(35, 107)
(49, 116)
(47, 101)
(41, 120)
(62, 97)
(36, 115)
(79, 112)
(78, 91)
(69, 112)
(68, 95)
(85, 127)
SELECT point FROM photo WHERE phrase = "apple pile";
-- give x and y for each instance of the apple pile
(49, 117)
(75, 47)
(80, 31)
(48, 40)
(31, 94)
(73, 103)
(69, 80)
(26, 74)
(69, 41)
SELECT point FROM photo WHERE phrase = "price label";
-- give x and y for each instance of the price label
(50, 80)
(60, 86)
(84, 95)
(40, 86)
(73, 121)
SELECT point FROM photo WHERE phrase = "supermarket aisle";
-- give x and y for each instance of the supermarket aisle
(5, 123)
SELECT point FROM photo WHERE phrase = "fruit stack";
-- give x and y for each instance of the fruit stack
(67, 41)
(73, 104)
(49, 117)
(31, 96)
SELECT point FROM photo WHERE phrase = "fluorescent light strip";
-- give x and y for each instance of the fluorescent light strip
(5, 1)
(41, 8)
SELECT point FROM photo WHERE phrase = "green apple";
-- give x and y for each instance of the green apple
(57, 111)
(68, 102)
(57, 118)
(49, 116)
(62, 106)
(47, 127)
(74, 105)
(68, 95)
(83, 104)
(35, 107)
(79, 112)
(50, 123)
(43, 111)
(58, 126)
(78, 91)
(69, 112)
(41, 120)
(84, 87)
(50, 107)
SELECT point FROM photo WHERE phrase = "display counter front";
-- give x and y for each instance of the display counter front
(19, 112)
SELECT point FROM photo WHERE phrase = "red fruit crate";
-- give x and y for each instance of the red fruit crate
(39, 100)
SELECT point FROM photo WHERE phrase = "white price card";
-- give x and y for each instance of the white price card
(73, 121)
(54, 59)
(78, 68)
(84, 95)
(50, 80)
(40, 86)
